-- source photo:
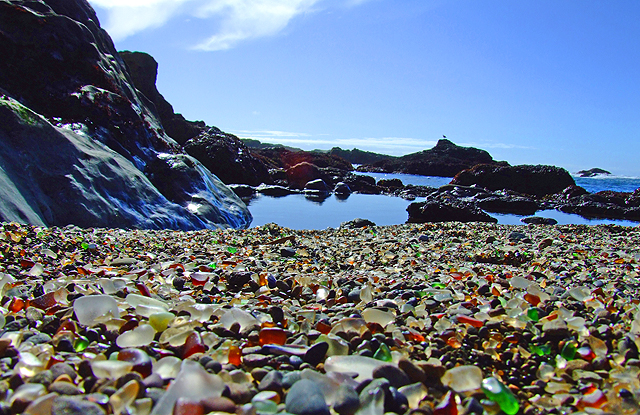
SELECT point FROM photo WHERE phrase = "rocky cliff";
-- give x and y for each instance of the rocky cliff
(446, 159)
(79, 144)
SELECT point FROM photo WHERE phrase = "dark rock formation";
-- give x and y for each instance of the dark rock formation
(227, 157)
(592, 172)
(280, 157)
(300, 174)
(445, 159)
(503, 203)
(531, 180)
(538, 220)
(76, 135)
(143, 69)
(357, 156)
(444, 209)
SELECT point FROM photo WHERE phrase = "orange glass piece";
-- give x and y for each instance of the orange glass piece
(193, 345)
(534, 300)
(456, 275)
(470, 321)
(323, 327)
(512, 338)
(375, 328)
(272, 336)
(235, 355)
(26, 263)
(413, 335)
(185, 406)
(17, 304)
(594, 399)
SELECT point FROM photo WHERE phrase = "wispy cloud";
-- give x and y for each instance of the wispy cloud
(232, 21)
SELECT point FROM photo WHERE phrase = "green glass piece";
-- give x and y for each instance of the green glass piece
(500, 394)
(84, 245)
(383, 353)
(533, 314)
(80, 344)
(438, 285)
(232, 249)
(212, 265)
(569, 350)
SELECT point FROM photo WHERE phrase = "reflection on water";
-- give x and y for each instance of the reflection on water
(299, 212)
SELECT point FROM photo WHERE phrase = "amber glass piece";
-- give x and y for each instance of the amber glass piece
(375, 328)
(129, 325)
(68, 326)
(17, 304)
(534, 300)
(44, 302)
(413, 335)
(142, 363)
(470, 321)
(185, 406)
(25, 263)
(272, 336)
(199, 279)
(323, 327)
(193, 345)
(456, 275)
(235, 355)
(512, 338)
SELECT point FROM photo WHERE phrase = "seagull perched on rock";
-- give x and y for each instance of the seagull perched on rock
(444, 136)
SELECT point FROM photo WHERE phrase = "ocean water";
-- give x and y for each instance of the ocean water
(299, 212)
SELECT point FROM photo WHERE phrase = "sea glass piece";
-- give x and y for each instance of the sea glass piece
(447, 406)
(192, 382)
(383, 353)
(90, 309)
(415, 393)
(337, 345)
(373, 315)
(141, 361)
(139, 336)
(593, 399)
(361, 365)
(500, 394)
(29, 365)
(470, 321)
(110, 369)
(193, 345)
(135, 300)
(168, 367)
(568, 350)
(272, 335)
(519, 282)
(160, 321)
(122, 399)
(463, 378)
(533, 314)
(235, 355)
(236, 315)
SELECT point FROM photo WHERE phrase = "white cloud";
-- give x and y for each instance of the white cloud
(232, 21)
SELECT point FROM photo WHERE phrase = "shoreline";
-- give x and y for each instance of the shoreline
(550, 311)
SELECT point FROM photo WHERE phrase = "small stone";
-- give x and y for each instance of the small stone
(271, 382)
(218, 404)
(259, 373)
(316, 353)
(412, 370)
(305, 398)
(396, 377)
(64, 388)
(63, 369)
(287, 252)
(45, 378)
(64, 405)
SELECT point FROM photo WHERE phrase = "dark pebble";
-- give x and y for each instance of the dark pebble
(305, 398)
(290, 378)
(346, 400)
(316, 353)
(218, 404)
(64, 388)
(271, 382)
(396, 376)
(63, 369)
(64, 405)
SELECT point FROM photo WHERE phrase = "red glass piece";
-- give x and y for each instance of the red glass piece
(142, 363)
(193, 345)
(44, 302)
(17, 304)
(143, 289)
(447, 406)
(470, 321)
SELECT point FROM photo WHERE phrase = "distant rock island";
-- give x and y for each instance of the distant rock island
(593, 172)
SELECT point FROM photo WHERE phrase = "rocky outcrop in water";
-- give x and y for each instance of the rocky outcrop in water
(593, 172)
(536, 180)
(79, 144)
(446, 159)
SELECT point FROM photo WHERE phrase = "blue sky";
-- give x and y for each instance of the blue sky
(530, 81)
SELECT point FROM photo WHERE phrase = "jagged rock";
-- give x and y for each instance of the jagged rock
(356, 223)
(390, 183)
(76, 135)
(280, 157)
(302, 173)
(532, 180)
(509, 204)
(342, 188)
(228, 158)
(593, 172)
(445, 159)
(574, 191)
(362, 184)
(537, 220)
(317, 185)
(443, 209)
(275, 190)
(357, 156)
(143, 69)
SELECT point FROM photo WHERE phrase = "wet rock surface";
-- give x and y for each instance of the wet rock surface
(535, 319)
(76, 135)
